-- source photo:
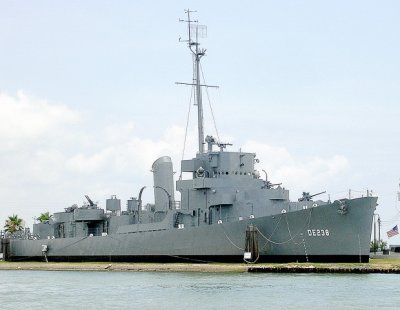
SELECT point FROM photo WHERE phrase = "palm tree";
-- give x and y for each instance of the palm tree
(44, 217)
(13, 224)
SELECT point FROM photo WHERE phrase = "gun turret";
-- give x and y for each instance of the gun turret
(308, 197)
(71, 208)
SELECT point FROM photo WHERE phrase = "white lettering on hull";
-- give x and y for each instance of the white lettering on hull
(318, 232)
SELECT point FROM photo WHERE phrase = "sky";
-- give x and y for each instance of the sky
(88, 99)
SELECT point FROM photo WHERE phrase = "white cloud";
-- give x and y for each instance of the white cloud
(296, 173)
(125, 153)
(24, 117)
(119, 132)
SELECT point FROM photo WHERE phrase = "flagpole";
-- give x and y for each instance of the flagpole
(374, 234)
(379, 228)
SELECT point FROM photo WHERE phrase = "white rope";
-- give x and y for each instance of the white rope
(254, 262)
(290, 234)
(276, 227)
(236, 246)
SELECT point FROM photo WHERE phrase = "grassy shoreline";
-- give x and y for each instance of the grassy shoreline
(381, 265)
(112, 266)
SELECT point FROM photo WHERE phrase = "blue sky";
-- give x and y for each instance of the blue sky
(88, 100)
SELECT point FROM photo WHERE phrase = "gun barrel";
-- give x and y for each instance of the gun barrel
(91, 203)
(318, 194)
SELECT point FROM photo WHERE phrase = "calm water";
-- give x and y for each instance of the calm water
(147, 290)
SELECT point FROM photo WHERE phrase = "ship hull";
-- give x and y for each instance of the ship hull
(321, 234)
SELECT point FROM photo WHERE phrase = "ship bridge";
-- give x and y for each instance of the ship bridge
(220, 165)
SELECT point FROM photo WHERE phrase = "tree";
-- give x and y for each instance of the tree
(13, 224)
(383, 245)
(44, 217)
(377, 245)
(373, 246)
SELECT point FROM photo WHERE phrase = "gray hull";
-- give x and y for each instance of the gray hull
(315, 234)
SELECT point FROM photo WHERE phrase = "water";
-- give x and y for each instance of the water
(148, 290)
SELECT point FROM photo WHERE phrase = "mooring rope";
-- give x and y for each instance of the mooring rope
(227, 237)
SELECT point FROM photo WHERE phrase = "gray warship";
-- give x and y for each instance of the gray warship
(227, 213)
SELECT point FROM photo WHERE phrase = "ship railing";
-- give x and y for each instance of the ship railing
(228, 219)
(19, 235)
(352, 193)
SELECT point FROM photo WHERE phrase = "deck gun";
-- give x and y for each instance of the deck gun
(269, 184)
(308, 197)
(91, 203)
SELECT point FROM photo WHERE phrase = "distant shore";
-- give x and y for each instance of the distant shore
(376, 265)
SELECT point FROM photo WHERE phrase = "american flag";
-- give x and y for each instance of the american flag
(393, 232)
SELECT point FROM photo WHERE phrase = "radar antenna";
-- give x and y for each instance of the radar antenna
(195, 31)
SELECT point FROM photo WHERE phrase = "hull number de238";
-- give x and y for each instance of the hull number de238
(318, 232)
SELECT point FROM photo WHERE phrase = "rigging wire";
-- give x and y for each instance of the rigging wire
(209, 103)
(192, 94)
(186, 129)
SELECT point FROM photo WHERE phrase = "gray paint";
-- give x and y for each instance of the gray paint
(163, 183)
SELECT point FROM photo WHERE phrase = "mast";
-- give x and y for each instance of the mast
(197, 55)
(199, 101)
(195, 31)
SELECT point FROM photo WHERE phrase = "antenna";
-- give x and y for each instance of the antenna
(196, 31)
(199, 30)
